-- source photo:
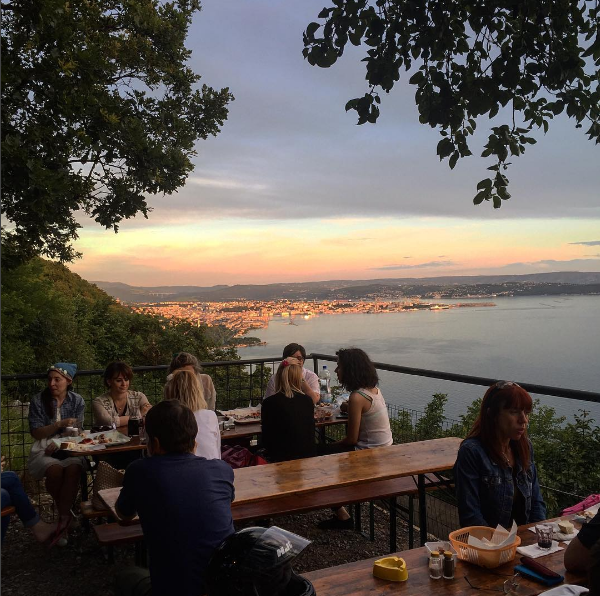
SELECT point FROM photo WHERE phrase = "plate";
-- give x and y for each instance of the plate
(247, 421)
(117, 438)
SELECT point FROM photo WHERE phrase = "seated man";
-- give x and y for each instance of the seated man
(296, 354)
(578, 554)
(184, 504)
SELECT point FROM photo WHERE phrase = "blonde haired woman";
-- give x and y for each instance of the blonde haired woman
(288, 418)
(184, 386)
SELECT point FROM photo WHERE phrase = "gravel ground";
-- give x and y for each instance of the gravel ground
(82, 568)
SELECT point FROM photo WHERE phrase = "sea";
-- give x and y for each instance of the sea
(551, 341)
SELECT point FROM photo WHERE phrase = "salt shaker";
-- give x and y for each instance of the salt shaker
(435, 566)
(448, 566)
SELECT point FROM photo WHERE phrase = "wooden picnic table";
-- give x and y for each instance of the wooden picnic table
(356, 579)
(355, 468)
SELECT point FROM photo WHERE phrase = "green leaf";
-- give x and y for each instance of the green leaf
(311, 30)
(444, 148)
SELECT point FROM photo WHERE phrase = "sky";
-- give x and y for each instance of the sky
(293, 190)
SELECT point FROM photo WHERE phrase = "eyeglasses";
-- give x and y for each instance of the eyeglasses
(510, 586)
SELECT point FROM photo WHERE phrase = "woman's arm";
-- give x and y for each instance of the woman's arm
(310, 391)
(467, 476)
(356, 405)
(145, 405)
(100, 414)
(37, 421)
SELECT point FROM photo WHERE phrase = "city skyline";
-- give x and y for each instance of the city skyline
(292, 190)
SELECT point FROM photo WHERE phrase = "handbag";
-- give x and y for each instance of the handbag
(106, 477)
(240, 457)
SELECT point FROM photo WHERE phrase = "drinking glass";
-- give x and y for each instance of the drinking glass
(544, 536)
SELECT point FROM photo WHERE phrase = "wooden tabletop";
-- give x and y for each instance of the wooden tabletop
(356, 579)
(344, 469)
(254, 428)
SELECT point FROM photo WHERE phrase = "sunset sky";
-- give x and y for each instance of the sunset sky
(293, 190)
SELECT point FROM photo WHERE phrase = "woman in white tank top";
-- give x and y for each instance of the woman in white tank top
(368, 419)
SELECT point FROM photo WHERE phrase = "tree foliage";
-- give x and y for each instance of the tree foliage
(519, 63)
(50, 314)
(99, 109)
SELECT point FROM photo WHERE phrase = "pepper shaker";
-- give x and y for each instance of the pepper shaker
(448, 566)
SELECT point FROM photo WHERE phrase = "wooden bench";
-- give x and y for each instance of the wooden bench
(115, 534)
(8, 510)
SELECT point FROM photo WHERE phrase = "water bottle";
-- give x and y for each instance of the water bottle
(325, 385)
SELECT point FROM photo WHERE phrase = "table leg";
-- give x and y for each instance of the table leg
(411, 522)
(422, 510)
(321, 433)
(393, 524)
(372, 521)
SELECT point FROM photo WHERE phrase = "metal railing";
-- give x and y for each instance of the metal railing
(243, 382)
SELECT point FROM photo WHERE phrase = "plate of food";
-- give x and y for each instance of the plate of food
(91, 441)
(248, 415)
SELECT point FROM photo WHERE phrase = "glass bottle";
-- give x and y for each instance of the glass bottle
(435, 566)
(448, 566)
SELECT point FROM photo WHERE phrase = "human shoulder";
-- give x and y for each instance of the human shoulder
(102, 400)
(74, 397)
(471, 446)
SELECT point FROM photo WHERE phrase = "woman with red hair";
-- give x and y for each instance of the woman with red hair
(495, 475)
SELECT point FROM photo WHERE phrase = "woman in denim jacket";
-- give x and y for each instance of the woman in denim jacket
(495, 475)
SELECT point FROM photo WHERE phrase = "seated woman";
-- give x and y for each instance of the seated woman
(368, 418)
(118, 403)
(296, 354)
(288, 417)
(50, 412)
(495, 475)
(14, 494)
(184, 386)
(186, 361)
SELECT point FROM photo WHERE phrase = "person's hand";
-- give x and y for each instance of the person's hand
(291, 360)
(145, 408)
(67, 422)
(2, 462)
(52, 447)
(344, 408)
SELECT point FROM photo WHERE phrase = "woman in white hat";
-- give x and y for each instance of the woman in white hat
(50, 413)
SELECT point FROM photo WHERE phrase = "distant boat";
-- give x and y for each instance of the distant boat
(291, 322)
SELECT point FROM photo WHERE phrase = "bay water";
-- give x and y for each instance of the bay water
(546, 340)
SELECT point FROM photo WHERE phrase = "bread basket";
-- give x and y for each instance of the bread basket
(481, 556)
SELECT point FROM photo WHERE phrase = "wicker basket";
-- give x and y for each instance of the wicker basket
(481, 556)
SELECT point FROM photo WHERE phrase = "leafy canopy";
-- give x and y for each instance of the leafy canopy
(522, 62)
(98, 110)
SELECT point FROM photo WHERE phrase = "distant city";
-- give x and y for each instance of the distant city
(240, 308)
(241, 316)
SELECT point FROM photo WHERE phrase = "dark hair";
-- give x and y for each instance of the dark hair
(48, 400)
(291, 349)
(181, 359)
(501, 396)
(175, 426)
(356, 371)
(114, 369)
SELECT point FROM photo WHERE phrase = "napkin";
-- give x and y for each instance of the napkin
(566, 590)
(534, 551)
(500, 538)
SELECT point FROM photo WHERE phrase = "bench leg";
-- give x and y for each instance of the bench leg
(411, 522)
(372, 521)
(393, 525)
(141, 555)
(422, 510)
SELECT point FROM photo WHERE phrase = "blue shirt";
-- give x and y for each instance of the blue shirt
(485, 491)
(184, 504)
(72, 407)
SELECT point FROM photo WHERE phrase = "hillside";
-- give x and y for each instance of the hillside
(50, 314)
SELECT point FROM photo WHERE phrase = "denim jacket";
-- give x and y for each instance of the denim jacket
(485, 490)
